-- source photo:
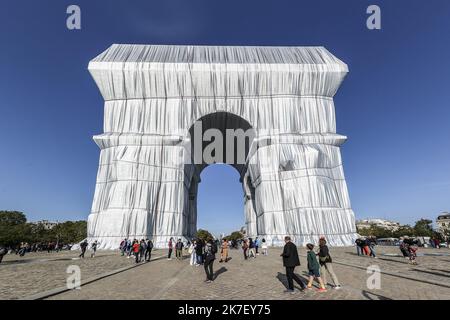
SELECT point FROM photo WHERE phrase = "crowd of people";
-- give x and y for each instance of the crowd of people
(318, 263)
(141, 250)
(366, 246)
(408, 248)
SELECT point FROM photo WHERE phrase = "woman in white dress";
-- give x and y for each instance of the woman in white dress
(264, 247)
(193, 261)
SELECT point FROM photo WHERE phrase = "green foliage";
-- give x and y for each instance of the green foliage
(423, 228)
(14, 229)
(205, 235)
(235, 235)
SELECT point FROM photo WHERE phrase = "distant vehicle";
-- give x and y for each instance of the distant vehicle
(388, 242)
(443, 245)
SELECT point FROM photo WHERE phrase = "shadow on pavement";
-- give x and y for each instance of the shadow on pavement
(283, 279)
(219, 272)
(373, 296)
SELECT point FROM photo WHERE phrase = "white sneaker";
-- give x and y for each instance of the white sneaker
(337, 287)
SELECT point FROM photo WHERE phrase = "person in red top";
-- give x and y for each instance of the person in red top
(170, 249)
(136, 250)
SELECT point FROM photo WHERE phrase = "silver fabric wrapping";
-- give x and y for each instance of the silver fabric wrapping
(293, 180)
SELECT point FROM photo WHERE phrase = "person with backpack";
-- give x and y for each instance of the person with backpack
(83, 246)
(148, 250)
(314, 268)
(325, 262)
(210, 256)
(251, 248)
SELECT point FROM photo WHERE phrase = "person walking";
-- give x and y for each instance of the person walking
(372, 242)
(257, 246)
(169, 255)
(192, 252)
(290, 261)
(135, 249)
(129, 248)
(123, 247)
(94, 248)
(314, 268)
(210, 256)
(148, 251)
(251, 246)
(199, 251)
(245, 248)
(142, 249)
(224, 251)
(325, 262)
(264, 247)
(83, 246)
(179, 249)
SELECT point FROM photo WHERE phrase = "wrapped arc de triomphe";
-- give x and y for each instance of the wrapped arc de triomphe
(292, 176)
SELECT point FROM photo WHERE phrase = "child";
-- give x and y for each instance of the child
(313, 268)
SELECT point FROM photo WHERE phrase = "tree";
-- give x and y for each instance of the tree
(405, 230)
(12, 218)
(235, 235)
(423, 228)
(13, 228)
(204, 235)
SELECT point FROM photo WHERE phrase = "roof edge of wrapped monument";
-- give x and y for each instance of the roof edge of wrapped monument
(126, 71)
(183, 54)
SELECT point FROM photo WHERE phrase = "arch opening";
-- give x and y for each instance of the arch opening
(218, 138)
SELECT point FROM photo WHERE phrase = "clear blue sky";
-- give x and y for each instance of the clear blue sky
(394, 105)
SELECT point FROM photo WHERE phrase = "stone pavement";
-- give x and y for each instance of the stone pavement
(260, 278)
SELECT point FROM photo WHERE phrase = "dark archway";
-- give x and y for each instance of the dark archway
(234, 151)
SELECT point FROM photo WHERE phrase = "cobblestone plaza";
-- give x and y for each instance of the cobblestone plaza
(260, 278)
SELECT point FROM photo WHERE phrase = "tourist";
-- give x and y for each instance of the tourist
(142, 249)
(359, 246)
(251, 247)
(325, 262)
(148, 251)
(314, 268)
(264, 247)
(169, 255)
(372, 242)
(123, 247)
(245, 248)
(210, 256)
(192, 252)
(129, 248)
(83, 246)
(199, 251)
(179, 249)
(136, 249)
(94, 248)
(404, 248)
(257, 245)
(224, 251)
(290, 261)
